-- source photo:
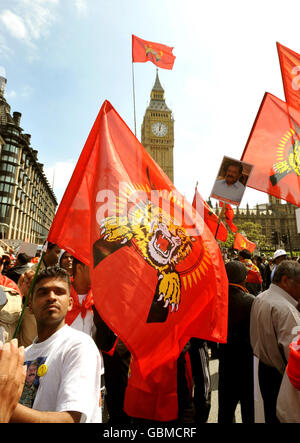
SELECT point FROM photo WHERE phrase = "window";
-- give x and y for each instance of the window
(7, 167)
(5, 200)
(9, 158)
(13, 131)
(4, 187)
(10, 148)
(4, 211)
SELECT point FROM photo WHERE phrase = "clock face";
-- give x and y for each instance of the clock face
(159, 129)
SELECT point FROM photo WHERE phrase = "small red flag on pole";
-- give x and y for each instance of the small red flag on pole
(145, 51)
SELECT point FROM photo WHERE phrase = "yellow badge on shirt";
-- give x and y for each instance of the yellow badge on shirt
(42, 370)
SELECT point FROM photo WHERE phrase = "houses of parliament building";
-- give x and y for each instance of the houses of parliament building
(277, 219)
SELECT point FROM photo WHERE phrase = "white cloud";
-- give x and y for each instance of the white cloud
(29, 21)
(14, 24)
(81, 6)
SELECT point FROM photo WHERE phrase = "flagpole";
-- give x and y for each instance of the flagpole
(133, 90)
(220, 218)
(28, 295)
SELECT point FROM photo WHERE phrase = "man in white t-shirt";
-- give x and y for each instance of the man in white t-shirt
(64, 365)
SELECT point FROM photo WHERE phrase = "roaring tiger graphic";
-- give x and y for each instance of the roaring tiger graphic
(162, 243)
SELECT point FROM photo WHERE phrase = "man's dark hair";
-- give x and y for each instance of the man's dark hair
(244, 253)
(74, 265)
(53, 272)
(236, 271)
(50, 245)
(289, 268)
(235, 164)
(23, 258)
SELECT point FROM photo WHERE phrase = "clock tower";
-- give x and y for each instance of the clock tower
(158, 130)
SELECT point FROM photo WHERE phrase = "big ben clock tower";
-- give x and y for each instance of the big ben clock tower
(158, 130)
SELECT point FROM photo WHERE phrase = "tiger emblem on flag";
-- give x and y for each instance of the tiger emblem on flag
(162, 243)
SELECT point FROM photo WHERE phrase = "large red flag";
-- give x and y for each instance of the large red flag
(229, 215)
(241, 242)
(210, 218)
(144, 51)
(273, 148)
(290, 71)
(157, 280)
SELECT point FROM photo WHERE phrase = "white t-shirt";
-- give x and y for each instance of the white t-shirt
(68, 370)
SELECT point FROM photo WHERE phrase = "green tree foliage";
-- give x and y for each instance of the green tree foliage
(253, 232)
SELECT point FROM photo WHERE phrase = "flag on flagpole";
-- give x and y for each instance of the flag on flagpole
(229, 215)
(290, 71)
(157, 273)
(273, 148)
(144, 51)
(241, 242)
(216, 226)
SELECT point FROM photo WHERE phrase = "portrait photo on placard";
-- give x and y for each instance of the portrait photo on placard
(231, 181)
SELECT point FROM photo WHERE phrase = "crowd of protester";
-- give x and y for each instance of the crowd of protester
(87, 365)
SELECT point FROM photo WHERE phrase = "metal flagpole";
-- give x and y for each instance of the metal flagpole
(220, 218)
(133, 89)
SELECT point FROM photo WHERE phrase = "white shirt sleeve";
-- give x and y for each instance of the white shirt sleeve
(79, 389)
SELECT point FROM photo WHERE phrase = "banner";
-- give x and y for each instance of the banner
(273, 148)
(290, 71)
(144, 51)
(229, 215)
(216, 226)
(241, 242)
(157, 273)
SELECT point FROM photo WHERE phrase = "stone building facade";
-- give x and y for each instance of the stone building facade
(27, 201)
(274, 217)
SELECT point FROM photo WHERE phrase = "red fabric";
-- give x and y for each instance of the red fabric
(254, 275)
(8, 283)
(229, 215)
(112, 350)
(126, 280)
(293, 366)
(241, 242)
(189, 373)
(209, 217)
(290, 71)
(153, 397)
(144, 51)
(79, 309)
(274, 150)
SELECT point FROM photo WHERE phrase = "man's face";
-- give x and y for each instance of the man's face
(86, 275)
(66, 261)
(280, 259)
(51, 256)
(232, 174)
(31, 374)
(292, 287)
(51, 301)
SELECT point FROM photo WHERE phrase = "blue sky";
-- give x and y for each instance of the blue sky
(63, 58)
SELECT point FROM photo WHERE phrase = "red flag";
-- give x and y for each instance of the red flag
(157, 280)
(274, 149)
(229, 215)
(290, 71)
(144, 51)
(241, 242)
(210, 218)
